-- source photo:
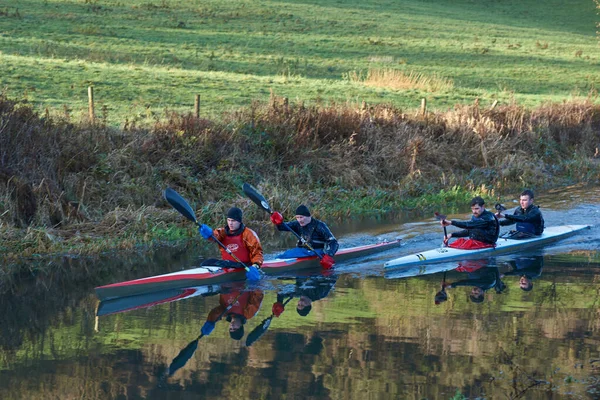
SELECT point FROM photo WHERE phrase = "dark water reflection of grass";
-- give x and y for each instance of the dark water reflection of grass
(368, 337)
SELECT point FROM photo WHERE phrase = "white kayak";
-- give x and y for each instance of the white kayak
(443, 254)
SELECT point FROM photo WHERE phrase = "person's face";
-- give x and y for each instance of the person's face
(233, 224)
(477, 210)
(524, 282)
(235, 324)
(303, 301)
(525, 201)
(303, 220)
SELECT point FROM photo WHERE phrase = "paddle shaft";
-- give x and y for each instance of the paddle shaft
(260, 201)
(181, 205)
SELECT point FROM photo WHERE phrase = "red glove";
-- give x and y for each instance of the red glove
(277, 218)
(277, 309)
(327, 262)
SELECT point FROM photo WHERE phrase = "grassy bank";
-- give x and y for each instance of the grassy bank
(88, 188)
(147, 56)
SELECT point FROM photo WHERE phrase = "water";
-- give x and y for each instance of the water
(369, 334)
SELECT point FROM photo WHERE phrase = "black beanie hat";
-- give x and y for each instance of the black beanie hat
(304, 312)
(237, 334)
(302, 210)
(235, 213)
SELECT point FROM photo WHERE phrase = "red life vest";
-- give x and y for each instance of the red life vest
(236, 245)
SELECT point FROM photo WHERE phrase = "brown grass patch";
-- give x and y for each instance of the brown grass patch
(401, 80)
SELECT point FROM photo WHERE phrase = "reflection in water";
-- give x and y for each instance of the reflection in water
(482, 275)
(361, 337)
(527, 269)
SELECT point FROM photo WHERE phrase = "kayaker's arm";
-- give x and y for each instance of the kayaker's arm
(331, 243)
(254, 247)
(533, 216)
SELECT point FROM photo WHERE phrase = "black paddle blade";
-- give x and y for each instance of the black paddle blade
(258, 331)
(439, 217)
(256, 197)
(499, 207)
(184, 355)
(179, 203)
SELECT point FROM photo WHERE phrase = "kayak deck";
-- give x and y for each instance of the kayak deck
(210, 275)
(443, 254)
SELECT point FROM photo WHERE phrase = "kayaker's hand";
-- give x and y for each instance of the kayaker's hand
(327, 262)
(447, 238)
(205, 231)
(207, 328)
(253, 273)
(446, 222)
(499, 215)
(277, 218)
(277, 309)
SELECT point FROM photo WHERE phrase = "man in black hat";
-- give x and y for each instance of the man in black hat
(312, 231)
(240, 240)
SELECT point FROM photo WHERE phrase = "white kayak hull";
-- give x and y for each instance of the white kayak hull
(443, 254)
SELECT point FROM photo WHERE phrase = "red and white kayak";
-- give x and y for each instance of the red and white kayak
(209, 275)
(442, 254)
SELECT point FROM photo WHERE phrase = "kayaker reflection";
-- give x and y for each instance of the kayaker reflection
(237, 308)
(315, 232)
(528, 217)
(527, 269)
(307, 290)
(241, 241)
(481, 276)
(482, 230)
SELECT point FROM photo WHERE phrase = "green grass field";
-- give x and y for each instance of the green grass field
(145, 56)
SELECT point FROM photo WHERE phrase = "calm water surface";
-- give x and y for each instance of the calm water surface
(369, 334)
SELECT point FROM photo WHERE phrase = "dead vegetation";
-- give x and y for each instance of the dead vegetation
(63, 178)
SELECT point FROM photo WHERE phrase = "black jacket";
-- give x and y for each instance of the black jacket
(316, 233)
(484, 228)
(527, 220)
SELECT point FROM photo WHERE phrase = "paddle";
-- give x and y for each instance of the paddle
(262, 328)
(442, 217)
(179, 203)
(258, 199)
(188, 351)
(499, 207)
(442, 296)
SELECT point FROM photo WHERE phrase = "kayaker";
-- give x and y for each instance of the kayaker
(482, 230)
(242, 241)
(245, 306)
(307, 290)
(528, 218)
(315, 232)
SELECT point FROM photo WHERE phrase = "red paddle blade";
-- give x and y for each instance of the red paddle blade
(439, 217)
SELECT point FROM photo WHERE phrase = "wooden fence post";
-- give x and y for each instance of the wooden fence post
(197, 106)
(91, 103)
(423, 106)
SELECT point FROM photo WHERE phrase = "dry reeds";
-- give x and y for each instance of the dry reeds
(65, 178)
(401, 80)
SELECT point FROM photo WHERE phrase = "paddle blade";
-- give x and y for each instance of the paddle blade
(179, 203)
(439, 217)
(499, 207)
(257, 198)
(258, 331)
(183, 356)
